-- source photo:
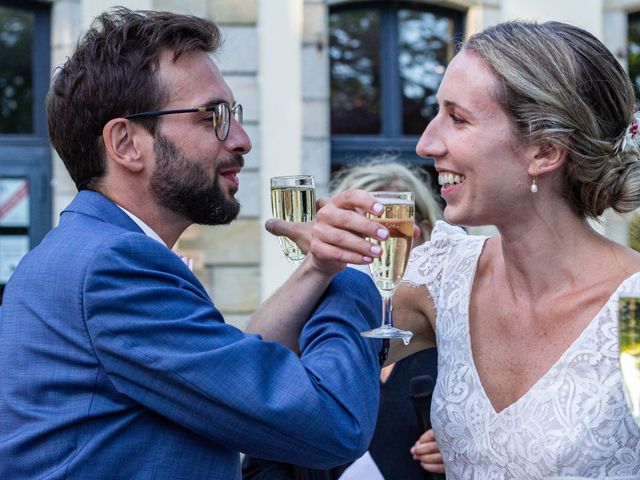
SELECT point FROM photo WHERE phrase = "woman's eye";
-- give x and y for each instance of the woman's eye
(455, 118)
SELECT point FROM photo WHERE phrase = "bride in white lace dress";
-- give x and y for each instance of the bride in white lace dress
(535, 134)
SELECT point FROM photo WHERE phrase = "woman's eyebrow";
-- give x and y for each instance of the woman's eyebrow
(450, 103)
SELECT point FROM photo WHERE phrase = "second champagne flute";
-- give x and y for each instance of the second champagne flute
(293, 199)
(629, 345)
(387, 271)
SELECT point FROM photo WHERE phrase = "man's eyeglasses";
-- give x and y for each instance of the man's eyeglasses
(221, 116)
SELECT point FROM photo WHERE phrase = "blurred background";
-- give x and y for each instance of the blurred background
(324, 84)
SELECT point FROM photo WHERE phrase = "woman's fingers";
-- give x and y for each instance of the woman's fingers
(345, 211)
(341, 229)
(321, 202)
(433, 467)
(428, 436)
(342, 246)
(427, 453)
(340, 232)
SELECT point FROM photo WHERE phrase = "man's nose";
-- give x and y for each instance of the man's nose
(238, 140)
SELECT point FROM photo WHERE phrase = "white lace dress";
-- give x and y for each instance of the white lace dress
(573, 423)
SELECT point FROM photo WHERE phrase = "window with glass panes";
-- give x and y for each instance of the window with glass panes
(386, 62)
(633, 50)
(25, 154)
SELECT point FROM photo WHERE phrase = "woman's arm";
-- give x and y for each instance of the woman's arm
(412, 310)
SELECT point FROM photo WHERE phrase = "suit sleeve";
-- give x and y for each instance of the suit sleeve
(163, 344)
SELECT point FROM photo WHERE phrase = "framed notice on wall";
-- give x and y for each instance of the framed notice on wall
(14, 202)
(12, 249)
(15, 221)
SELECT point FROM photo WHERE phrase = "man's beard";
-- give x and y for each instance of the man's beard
(183, 186)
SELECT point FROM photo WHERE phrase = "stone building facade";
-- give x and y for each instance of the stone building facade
(275, 58)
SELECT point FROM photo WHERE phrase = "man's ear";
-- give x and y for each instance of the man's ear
(125, 143)
(547, 158)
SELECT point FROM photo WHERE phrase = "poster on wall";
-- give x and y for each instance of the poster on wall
(12, 249)
(14, 202)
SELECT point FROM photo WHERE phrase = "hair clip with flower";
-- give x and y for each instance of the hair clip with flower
(631, 135)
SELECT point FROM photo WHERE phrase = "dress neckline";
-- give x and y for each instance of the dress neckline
(554, 365)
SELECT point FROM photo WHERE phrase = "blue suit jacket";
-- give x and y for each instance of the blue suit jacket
(115, 363)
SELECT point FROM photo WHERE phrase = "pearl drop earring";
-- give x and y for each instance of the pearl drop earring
(534, 185)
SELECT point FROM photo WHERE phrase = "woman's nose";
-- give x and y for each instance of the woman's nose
(430, 143)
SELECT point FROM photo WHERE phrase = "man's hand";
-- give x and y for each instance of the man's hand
(299, 232)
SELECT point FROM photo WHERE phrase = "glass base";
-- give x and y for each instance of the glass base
(387, 331)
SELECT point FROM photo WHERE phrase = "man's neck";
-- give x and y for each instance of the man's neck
(150, 232)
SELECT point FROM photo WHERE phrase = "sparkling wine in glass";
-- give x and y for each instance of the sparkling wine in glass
(293, 199)
(629, 342)
(387, 271)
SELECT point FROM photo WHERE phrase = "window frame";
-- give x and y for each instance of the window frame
(28, 155)
(632, 17)
(347, 149)
(41, 66)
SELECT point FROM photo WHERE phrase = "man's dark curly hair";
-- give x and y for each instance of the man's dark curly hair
(112, 73)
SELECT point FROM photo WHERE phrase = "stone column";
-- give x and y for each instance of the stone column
(280, 84)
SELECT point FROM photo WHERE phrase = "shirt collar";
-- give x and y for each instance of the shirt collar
(145, 228)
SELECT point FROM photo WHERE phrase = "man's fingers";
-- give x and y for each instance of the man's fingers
(277, 227)
(299, 232)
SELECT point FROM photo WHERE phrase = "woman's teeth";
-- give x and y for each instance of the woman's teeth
(449, 179)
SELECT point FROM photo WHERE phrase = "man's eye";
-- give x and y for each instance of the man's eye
(455, 118)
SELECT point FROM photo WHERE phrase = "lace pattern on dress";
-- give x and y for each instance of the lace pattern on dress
(427, 261)
(573, 423)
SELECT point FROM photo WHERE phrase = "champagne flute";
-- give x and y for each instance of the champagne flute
(293, 199)
(629, 344)
(387, 271)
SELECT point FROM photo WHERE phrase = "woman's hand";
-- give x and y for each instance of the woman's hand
(337, 236)
(340, 230)
(427, 453)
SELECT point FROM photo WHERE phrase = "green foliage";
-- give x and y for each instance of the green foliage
(634, 231)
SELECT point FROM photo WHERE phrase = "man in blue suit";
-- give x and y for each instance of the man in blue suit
(115, 362)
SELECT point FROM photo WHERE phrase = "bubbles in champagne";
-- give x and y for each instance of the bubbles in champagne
(387, 271)
(293, 204)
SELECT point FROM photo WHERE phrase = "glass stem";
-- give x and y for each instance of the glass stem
(386, 311)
